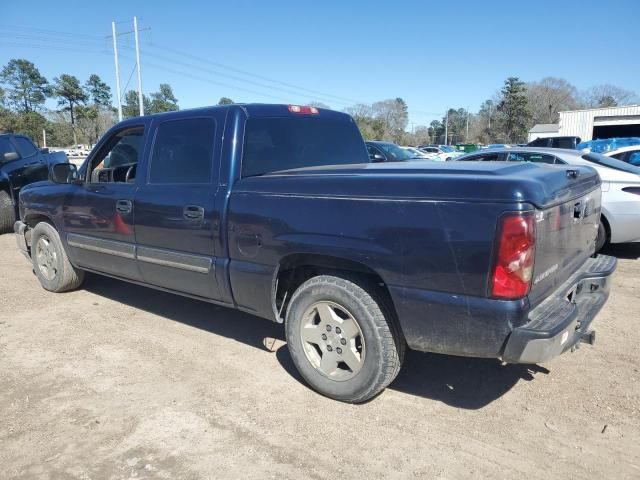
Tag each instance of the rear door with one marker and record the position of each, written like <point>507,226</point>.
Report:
<point>176,217</point>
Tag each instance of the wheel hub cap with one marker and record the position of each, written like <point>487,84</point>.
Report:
<point>332,340</point>
<point>46,258</point>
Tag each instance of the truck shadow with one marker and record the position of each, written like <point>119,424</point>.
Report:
<point>243,327</point>
<point>629,251</point>
<point>467,383</point>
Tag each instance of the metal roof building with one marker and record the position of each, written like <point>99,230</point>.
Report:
<point>605,122</point>
<point>544,130</point>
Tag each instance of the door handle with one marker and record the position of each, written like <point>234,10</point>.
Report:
<point>124,206</point>
<point>193,212</point>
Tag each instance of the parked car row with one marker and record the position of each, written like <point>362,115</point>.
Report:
<point>620,218</point>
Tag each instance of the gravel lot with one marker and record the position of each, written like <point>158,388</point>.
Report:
<point>119,381</point>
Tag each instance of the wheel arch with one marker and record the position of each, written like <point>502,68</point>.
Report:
<point>607,225</point>
<point>295,269</point>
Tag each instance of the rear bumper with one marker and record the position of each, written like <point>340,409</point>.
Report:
<point>22,230</point>
<point>560,321</point>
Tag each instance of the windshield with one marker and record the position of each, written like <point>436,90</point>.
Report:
<point>415,153</point>
<point>611,163</point>
<point>397,153</point>
<point>446,148</point>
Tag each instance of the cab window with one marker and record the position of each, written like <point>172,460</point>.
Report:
<point>117,160</point>
<point>25,147</point>
<point>183,152</point>
<point>6,147</point>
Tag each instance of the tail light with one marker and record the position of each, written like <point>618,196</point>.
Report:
<point>515,256</point>
<point>635,190</point>
<point>303,110</point>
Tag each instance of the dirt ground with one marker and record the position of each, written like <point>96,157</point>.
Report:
<point>118,381</point>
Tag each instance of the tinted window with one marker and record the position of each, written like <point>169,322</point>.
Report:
<point>565,143</point>
<point>611,163</point>
<point>6,146</point>
<point>183,151</point>
<point>273,144</point>
<point>489,157</point>
<point>539,142</point>
<point>25,147</point>
<point>118,158</point>
<point>530,157</point>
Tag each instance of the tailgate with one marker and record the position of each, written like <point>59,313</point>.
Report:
<point>565,238</point>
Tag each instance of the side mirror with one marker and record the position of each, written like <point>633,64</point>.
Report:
<point>63,173</point>
<point>10,157</point>
<point>44,150</point>
<point>376,157</point>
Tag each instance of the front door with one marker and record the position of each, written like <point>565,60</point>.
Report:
<point>98,216</point>
<point>176,216</point>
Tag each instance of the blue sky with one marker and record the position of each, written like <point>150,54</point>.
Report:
<point>435,55</point>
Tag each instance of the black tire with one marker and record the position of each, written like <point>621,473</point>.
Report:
<point>7,213</point>
<point>601,238</point>
<point>50,262</point>
<point>381,344</point>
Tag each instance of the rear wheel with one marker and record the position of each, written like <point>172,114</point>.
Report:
<point>50,261</point>
<point>601,238</point>
<point>7,212</point>
<point>341,338</point>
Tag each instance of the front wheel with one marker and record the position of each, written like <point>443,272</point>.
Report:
<point>341,338</point>
<point>50,261</point>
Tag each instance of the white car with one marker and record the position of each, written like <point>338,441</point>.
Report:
<point>620,185</point>
<point>443,152</point>
<point>418,154</point>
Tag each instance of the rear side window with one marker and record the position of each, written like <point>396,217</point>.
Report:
<point>25,147</point>
<point>487,157</point>
<point>183,151</point>
<point>274,144</point>
<point>530,157</point>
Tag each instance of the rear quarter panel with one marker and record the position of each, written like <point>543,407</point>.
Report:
<point>434,256</point>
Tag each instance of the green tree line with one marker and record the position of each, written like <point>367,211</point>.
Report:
<point>85,110</point>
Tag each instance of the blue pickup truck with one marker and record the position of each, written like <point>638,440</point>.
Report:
<point>276,210</point>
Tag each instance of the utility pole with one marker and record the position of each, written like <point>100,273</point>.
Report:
<point>140,97</point>
<point>466,138</point>
<point>446,128</point>
<point>115,55</point>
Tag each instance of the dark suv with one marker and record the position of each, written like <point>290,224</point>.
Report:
<point>556,142</point>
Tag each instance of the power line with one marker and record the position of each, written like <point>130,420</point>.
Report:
<point>93,43</point>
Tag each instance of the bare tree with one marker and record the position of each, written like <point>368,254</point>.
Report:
<point>548,97</point>
<point>608,96</point>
